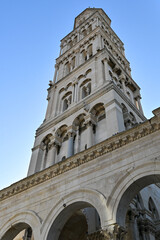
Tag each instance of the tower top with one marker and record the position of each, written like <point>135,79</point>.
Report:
<point>87,13</point>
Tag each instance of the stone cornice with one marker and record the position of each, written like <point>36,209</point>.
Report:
<point>107,146</point>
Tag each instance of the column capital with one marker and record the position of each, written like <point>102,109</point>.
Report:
<point>122,77</point>
<point>106,59</point>
<point>90,120</point>
<point>53,144</point>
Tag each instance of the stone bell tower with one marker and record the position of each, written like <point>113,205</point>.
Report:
<point>94,171</point>
<point>92,96</point>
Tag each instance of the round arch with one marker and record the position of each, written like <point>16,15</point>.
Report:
<point>70,203</point>
<point>19,222</point>
<point>128,186</point>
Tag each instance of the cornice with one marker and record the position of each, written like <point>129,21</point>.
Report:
<point>107,146</point>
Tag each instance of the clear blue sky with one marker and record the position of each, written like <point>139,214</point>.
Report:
<point>30,33</point>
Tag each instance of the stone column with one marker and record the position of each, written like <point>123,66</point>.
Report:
<point>77,143</point>
<point>55,74</point>
<point>50,98</point>
<point>89,134</point>
<point>70,144</point>
<point>139,104</point>
<point>106,70</point>
<point>51,154</point>
<point>90,121</point>
<point>77,60</point>
<point>122,78</point>
<point>131,229</point>
<point>43,158</point>
<point>76,92</point>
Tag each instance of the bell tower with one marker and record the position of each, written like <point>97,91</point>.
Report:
<point>92,96</point>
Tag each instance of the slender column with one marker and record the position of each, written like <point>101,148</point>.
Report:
<point>139,103</point>
<point>106,70</point>
<point>122,78</point>
<point>70,144</point>
<point>76,91</point>
<point>131,232</point>
<point>55,74</point>
<point>43,158</point>
<point>77,59</point>
<point>51,154</point>
<point>77,142</point>
<point>89,134</point>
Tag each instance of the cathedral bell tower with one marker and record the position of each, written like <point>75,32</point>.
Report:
<point>92,96</point>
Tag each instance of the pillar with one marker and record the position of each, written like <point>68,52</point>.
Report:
<point>122,78</point>
<point>55,74</point>
<point>76,92</point>
<point>89,133</point>
<point>114,119</point>
<point>139,104</point>
<point>106,70</point>
<point>51,154</point>
<point>131,225</point>
<point>70,144</point>
<point>50,99</point>
<point>43,158</point>
<point>77,60</point>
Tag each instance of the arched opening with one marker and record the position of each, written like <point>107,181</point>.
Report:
<point>138,212</point>
<point>75,222</point>
<point>66,101</point>
<point>80,140</point>
<point>98,112</point>
<point>90,51</point>
<point>83,56</point>
<point>67,68</point>
<point>43,154</point>
<point>128,117</point>
<point>85,88</point>
<point>19,231</point>
<point>61,137</point>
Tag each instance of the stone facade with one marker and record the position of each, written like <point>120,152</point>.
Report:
<point>95,155</point>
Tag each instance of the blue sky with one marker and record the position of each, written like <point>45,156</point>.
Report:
<point>30,33</point>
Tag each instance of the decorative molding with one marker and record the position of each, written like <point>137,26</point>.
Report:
<point>108,145</point>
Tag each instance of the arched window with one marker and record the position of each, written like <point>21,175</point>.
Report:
<point>62,137</point>
<point>67,68</point>
<point>89,50</point>
<point>85,88</point>
<point>65,104</point>
<point>84,92</point>
<point>84,32</point>
<point>73,61</point>
<point>66,101</point>
<point>98,112</point>
<point>83,56</point>
<point>80,139</point>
